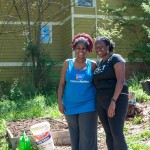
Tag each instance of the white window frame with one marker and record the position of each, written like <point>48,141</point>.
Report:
<point>49,33</point>
<point>76,2</point>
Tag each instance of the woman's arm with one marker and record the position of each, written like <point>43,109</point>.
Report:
<point>120,75</point>
<point>94,65</point>
<point>61,87</point>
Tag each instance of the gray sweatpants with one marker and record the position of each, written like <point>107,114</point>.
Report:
<point>83,131</point>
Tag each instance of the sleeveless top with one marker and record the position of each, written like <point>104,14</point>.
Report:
<point>79,92</point>
<point>105,77</point>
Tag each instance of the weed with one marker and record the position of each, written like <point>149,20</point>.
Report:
<point>137,120</point>
<point>136,142</point>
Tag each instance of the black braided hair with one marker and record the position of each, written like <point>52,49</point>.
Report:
<point>107,41</point>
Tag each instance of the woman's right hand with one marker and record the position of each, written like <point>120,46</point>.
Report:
<point>61,107</point>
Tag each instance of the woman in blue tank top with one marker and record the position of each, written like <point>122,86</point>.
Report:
<point>76,95</point>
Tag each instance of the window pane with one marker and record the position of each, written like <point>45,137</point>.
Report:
<point>87,3</point>
<point>45,34</point>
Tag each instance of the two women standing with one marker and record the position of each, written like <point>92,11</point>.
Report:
<point>76,94</point>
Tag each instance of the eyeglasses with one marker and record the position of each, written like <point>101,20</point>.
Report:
<point>97,48</point>
<point>81,49</point>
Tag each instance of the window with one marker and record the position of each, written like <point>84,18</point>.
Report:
<point>46,34</point>
<point>86,3</point>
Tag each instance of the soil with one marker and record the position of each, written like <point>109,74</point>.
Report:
<point>17,127</point>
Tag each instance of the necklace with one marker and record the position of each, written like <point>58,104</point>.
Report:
<point>106,58</point>
<point>80,65</point>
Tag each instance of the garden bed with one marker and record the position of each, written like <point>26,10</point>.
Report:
<point>59,130</point>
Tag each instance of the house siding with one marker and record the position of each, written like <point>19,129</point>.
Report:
<point>66,48</point>
<point>84,10</point>
<point>85,25</point>
<point>59,16</point>
<point>12,44</point>
<point>9,73</point>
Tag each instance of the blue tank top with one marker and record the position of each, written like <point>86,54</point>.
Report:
<point>79,92</point>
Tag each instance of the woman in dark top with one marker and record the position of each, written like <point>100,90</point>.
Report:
<point>111,93</point>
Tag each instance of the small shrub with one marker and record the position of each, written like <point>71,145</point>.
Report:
<point>3,142</point>
<point>140,95</point>
<point>134,85</point>
<point>52,99</point>
<point>137,120</point>
<point>136,142</point>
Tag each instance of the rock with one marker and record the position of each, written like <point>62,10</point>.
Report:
<point>146,86</point>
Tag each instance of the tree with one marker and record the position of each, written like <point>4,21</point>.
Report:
<point>146,8</point>
<point>115,24</point>
<point>33,12</point>
<point>109,27</point>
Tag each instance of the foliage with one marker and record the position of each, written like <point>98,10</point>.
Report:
<point>52,99</point>
<point>115,23</point>
<point>140,95</point>
<point>141,48</point>
<point>3,141</point>
<point>136,87</point>
<point>2,128</point>
<point>21,89</point>
<point>29,108</point>
<point>141,52</point>
<point>16,91</point>
<point>146,8</point>
<point>4,89</point>
<point>137,120</point>
<point>135,142</point>
<point>109,26</point>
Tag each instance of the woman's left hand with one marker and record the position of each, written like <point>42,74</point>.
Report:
<point>111,109</point>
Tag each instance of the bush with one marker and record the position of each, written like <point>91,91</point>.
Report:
<point>136,87</point>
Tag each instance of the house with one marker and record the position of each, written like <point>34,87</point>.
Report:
<point>61,20</point>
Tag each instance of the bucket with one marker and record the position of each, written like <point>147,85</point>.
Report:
<point>42,135</point>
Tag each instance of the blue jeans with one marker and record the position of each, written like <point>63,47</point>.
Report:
<point>113,126</point>
<point>83,131</point>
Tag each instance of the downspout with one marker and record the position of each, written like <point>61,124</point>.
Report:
<point>96,23</point>
<point>72,23</point>
<point>96,17</point>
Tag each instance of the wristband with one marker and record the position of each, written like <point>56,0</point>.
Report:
<point>113,100</point>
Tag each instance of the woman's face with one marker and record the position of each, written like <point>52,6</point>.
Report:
<point>81,49</point>
<point>101,49</point>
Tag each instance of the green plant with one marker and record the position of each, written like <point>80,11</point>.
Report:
<point>51,99</point>
<point>136,87</point>
<point>109,26</point>
<point>29,108</point>
<point>3,142</point>
<point>16,91</point>
<point>140,95</point>
<point>136,142</point>
<point>135,145</point>
<point>137,120</point>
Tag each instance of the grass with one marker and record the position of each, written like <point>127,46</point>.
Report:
<point>137,142</point>
<point>137,120</point>
<point>136,87</point>
<point>3,142</point>
<point>22,109</point>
